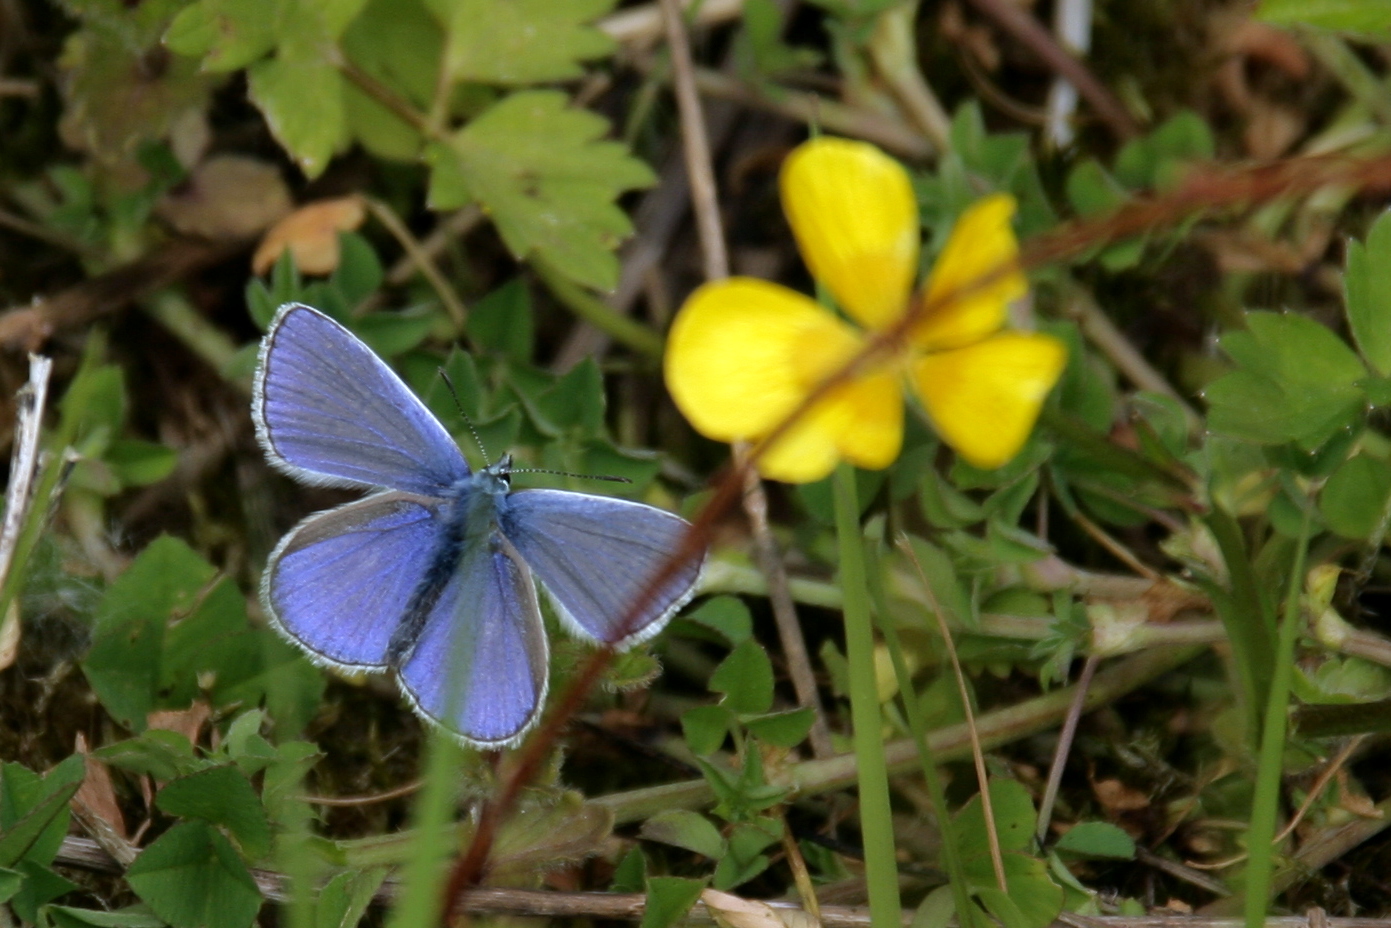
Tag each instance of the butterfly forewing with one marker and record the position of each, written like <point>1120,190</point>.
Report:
<point>329,411</point>
<point>340,582</point>
<point>595,557</point>
<point>479,665</point>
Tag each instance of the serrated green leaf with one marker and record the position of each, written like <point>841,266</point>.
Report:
<point>1097,839</point>
<point>282,88</point>
<point>686,829</point>
<point>746,679</point>
<point>161,754</point>
<point>192,878</point>
<point>1296,381</point>
<point>1367,292</point>
<point>221,796</point>
<point>226,34</point>
<point>517,42</point>
<point>546,178</point>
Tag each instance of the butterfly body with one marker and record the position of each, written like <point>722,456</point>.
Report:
<point>433,576</point>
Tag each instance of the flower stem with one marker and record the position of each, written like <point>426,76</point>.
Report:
<point>876,825</point>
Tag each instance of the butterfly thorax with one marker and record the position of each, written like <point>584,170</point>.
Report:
<point>468,515</point>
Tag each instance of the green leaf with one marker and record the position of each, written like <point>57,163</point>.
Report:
<point>345,898</point>
<point>1370,18</point>
<point>398,44</point>
<point>669,898</point>
<point>137,463</point>
<point>34,811</point>
<point>502,321</point>
<point>1367,292</point>
<point>281,86</point>
<point>124,662</point>
<point>359,272</point>
<point>728,616</point>
<point>543,173</point>
<point>1015,819</point>
<point>1355,498</point>
<point>683,828</point>
<point>221,796</point>
<point>746,679</point>
<point>1034,900</point>
<point>135,916</point>
<point>192,878</point>
<point>630,876</point>
<point>706,728</point>
<point>10,882</point>
<point>782,729</point>
<point>227,34</point>
<point>521,41</point>
<point>1097,839</point>
<point>1295,381</point>
<point>157,753</point>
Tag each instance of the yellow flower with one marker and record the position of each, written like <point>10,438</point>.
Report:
<point>744,353</point>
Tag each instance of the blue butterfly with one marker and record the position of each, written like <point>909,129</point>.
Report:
<point>430,577</point>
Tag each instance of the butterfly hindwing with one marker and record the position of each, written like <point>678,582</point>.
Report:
<point>595,555</point>
<point>340,582</point>
<point>329,411</point>
<point>479,664</point>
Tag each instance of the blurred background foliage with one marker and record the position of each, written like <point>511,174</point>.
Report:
<point>495,188</point>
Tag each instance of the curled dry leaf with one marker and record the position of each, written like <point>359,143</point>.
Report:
<point>311,234</point>
<point>227,197</point>
<point>95,806</point>
<point>187,722</point>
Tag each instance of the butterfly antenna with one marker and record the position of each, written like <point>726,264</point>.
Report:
<point>566,473</point>
<point>467,421</point>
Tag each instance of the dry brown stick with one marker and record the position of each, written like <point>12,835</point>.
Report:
<point>705,205</point>
<point>704,199</point>
<point>27,327</point>
<point>1020,24</point>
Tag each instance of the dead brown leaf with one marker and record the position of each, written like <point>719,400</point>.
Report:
<point>311,234</point>
<point>227,197</point>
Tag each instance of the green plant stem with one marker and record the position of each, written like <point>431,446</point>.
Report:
<point>598,313</point>
<point>207,341</point>
<point>1265,805</point>
<point>966,911</point>
<point>951,743</point>
<point>876,822</point>
<point>424,874</point>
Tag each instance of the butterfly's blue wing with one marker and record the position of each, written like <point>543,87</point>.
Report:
<point>594,556</point>
<point>328,411</point>
<point>340,582</point>
<point>479,665</point>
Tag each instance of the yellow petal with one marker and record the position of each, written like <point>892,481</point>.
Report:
<point>984,399</point>
<point>856,220</point>
<point>975,278</point>
<point>861,421</point>
<point>743,354</point>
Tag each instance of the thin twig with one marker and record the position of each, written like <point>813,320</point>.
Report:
<point>992,835</point>
<point>1064,748</point>
<point>412,247</point>
<point>704,198</point>
<point>705,205</point>
<point>1019,23</point>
